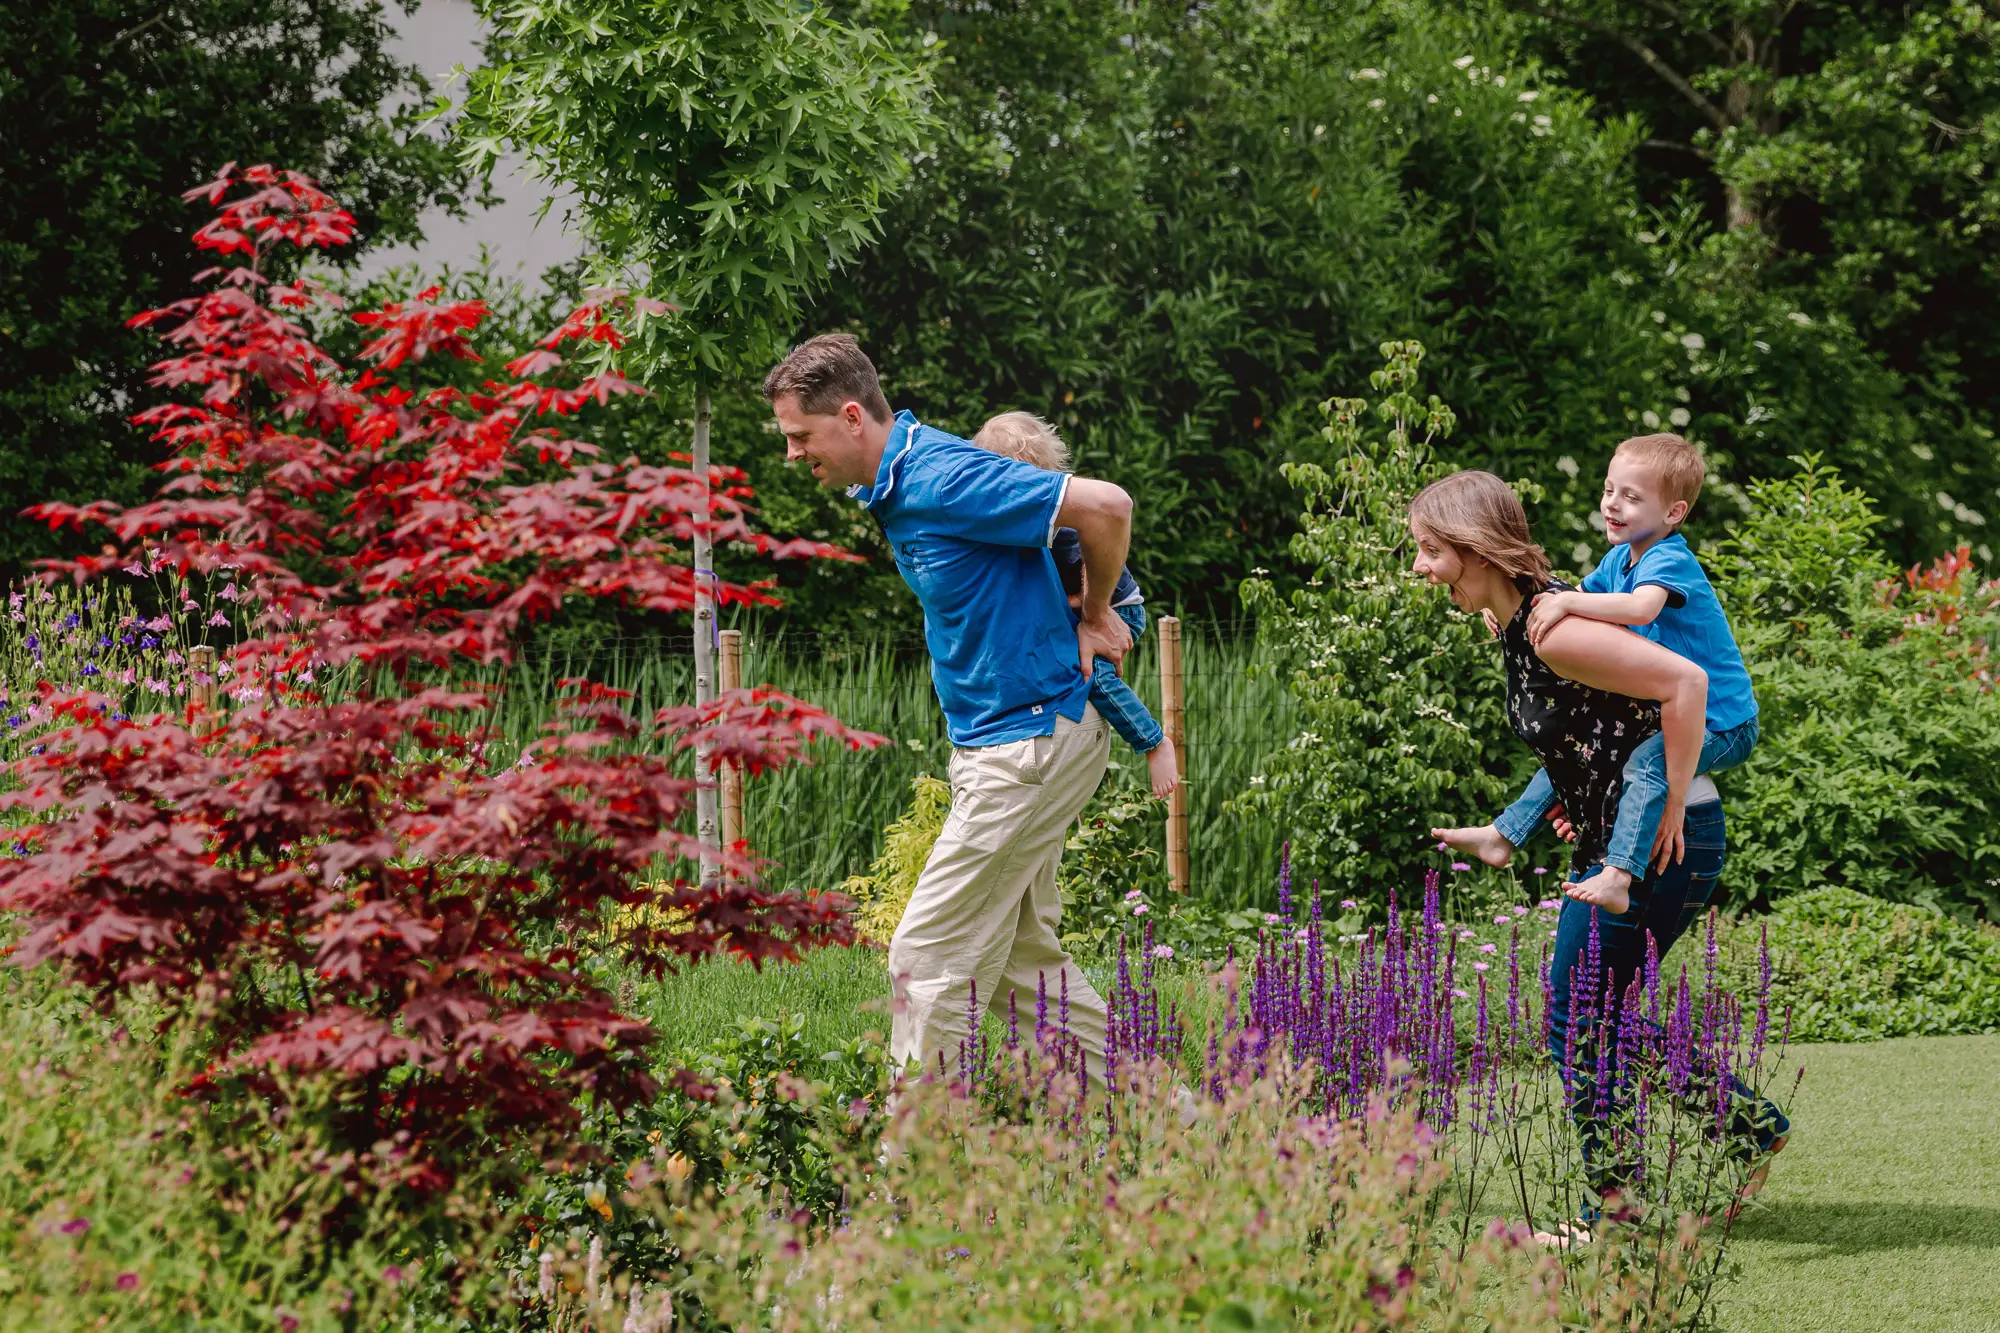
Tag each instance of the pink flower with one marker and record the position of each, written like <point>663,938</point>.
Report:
<point>1348,904</point>
<point>1163,951</point>
<point>392,1274</point>
<point>1271,918</point>
<point>1444,846</point>
<point>127,1282</point>
<point>228,593</point>
<point>136,570</point>
<point>1503,920</point>
<point>1549,905</point>
<point>218,619</point>
<point>1488,948</point>
<point>1138,909</point>
<point>128,675</point>
<point>1460,865</point>
<point>1541,870</point>
<point>1479,967</point>
<point>1461,995</point>
<point>76,1226</point>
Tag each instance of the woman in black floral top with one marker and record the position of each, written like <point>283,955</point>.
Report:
<point>1582,701</point>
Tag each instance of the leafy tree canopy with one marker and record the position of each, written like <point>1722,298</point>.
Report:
<point>109,109</point>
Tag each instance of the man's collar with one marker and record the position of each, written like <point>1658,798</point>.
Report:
<point>902,435</point>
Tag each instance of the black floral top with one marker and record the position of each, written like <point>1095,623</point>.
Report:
<point>1582,735</point>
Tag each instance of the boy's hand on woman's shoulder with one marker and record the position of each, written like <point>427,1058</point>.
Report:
<point>1544,614</point>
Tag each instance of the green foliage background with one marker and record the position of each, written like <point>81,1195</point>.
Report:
<point>109,109</point>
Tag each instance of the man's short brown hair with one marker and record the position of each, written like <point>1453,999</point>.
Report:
<point>1674,463</point>
<point>825,372</point>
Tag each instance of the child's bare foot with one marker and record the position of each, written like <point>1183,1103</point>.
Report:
<point>1610,888</point>
<point>1484,842</point>
<point>1163,769</point>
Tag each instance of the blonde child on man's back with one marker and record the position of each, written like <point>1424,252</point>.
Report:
<point>1032,440</point>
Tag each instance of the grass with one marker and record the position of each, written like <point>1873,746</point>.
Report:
<point>1884,1211</point>
<point>822,823</point>
<point>1882,1214</point>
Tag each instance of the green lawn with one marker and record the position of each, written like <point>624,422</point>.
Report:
<point>1884,1211</point>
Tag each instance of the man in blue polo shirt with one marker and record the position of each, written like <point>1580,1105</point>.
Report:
<point>971,531</point>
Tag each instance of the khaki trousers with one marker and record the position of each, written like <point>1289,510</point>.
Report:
<point>986,908</point>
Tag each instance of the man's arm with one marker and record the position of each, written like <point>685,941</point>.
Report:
<point>1101,513</point>
<point>1641,606</point>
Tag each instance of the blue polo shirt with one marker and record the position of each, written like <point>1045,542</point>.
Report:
<point>1691,623</point>
<point>971,533</point>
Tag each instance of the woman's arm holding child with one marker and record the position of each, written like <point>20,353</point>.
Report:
<point>1593,653</point>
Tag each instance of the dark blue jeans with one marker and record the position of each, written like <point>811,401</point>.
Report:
<point>1665,905</point>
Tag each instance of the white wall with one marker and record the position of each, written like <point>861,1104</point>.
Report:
<point>442,34</point>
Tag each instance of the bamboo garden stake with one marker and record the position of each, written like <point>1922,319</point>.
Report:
<point>1174,719</point>
<point>732,776</point>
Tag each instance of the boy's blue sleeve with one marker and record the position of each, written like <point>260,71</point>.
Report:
<point>993,499</point>
<point>1118,705</point>
<point>1605,577</point>
<point>1672,566</point>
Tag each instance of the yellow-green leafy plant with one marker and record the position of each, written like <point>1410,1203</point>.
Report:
<point>885,890</point>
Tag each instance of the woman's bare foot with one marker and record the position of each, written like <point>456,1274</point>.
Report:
<point>1484,842</point>
<point>1610,888</point>
<point>1162,768</point>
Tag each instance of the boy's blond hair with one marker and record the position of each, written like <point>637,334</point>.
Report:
<point>1025,436</point>
<point>1675,464</point>
<point>1476,513</point>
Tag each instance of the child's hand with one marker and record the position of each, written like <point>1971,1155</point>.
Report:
<point>1163,768</point>
<point>1544,614</point>
<point>1492,622</point>
<point>1104,636</point>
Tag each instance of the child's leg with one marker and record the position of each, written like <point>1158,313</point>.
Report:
<point>1645,796</point>
<point>1726,749</point>
<point>1119,706</point>
<point>1640,808</point>
<point>1518,822</point>
<point>1134,617</point>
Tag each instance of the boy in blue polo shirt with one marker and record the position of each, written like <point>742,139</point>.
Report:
<point>1651,582</point>
<point>1025,436</point>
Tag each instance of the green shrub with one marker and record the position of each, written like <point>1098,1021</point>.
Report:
<point>885,890</point>
<point>1854,968</point>
<point>1400,696</point>
<point>1879,767</point>
<point>127,1205</point>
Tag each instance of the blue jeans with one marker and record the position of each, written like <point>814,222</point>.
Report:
<point>1644,800</point>
<point>1674,900</point>
<point>1114,699</point>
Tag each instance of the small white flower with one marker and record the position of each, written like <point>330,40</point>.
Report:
<point>1680,416</point>
<point>1694,342</point>
<point>1463,61</point>
<point>1367,73</point>
<point>1374,104</point>
<point>1800,318</point>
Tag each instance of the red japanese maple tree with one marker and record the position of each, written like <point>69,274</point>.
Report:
<point>342,871</point>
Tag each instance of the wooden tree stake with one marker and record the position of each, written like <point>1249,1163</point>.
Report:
<point>1174,719</point>
<point>732,776</point>
<point>201,662</point>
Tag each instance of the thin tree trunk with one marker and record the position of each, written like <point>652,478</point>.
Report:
<point>706,821</point>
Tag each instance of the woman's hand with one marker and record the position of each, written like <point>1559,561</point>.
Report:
<point>1670,843</point>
